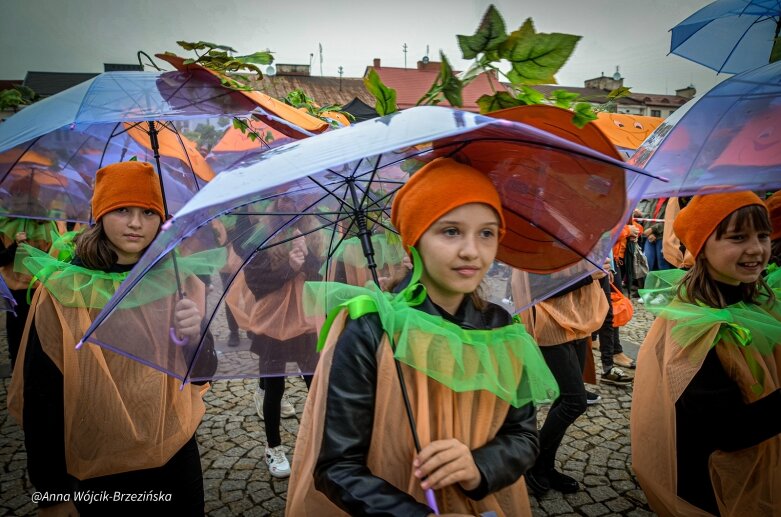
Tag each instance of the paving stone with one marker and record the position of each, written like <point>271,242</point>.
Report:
<point>596,451</point>
<point>555,506</point>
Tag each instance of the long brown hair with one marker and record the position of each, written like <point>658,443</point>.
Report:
<point>698,286</point>
<point>94,250</point>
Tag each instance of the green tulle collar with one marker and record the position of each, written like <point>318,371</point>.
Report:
<point>505,361</point>
<point>77,286</point>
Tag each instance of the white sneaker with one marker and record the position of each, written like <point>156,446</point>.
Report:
<point>286,408</point>
<point>278,466</point>
<point>258,397</point>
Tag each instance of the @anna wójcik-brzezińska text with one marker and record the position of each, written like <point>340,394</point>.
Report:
<point>103,496</point>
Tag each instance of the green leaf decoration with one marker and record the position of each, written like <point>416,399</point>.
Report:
<point>498,101</point>
<point>584,114</point>
<point>529,95</point>
<point>490,34</point>
<point>451,85</point>
<point>386,97</point>
<point>133,159</point>
<point>446,85</point>
<point>622,91</point>
<point>563,98</point>
<point>536,57</point>
<point>258,58</point>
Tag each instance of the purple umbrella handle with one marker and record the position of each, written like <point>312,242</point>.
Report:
<point>432,501</point>
<point>175,339</point>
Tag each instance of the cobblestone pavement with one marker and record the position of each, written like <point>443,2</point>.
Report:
<point>596,451</point>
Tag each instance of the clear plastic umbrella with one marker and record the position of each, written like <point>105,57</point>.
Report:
<point>326,201</point>
<point>725,140</point>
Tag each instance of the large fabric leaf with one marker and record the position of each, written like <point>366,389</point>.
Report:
<point>535,57</point>
<point>490,34</point>
<point>386,97</point>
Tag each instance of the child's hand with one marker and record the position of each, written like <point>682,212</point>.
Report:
<point>187,318</point>
<point>296,259</point>
<point>20,237</point>
<point>446,462</point>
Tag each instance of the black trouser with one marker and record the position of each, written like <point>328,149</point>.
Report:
<point>609,342</point>
<point>272,406</point>
<point>233,327</point>
<point>181,477</point>
<point>14,325</point>
<point>566,362</point>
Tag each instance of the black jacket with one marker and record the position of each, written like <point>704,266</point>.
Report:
<point>341,472</point>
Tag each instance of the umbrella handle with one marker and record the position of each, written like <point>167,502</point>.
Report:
<point>175,339</point>
<point>431,500</point>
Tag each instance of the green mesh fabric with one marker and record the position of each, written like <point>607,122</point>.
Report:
<point>10,226</point>
<point>388,251</point>
<point>773,278</point>
<point>76,286</point>
<point>64,245</point>
<point>505,361</point>
<point>745,325</point>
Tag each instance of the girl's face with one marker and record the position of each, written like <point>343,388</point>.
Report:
<point>457,251</point>
<point>130,230</point>
<point>739,256</point>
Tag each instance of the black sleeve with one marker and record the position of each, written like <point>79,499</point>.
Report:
<point>7,254</point>
<point>583,282</point>
<point>261,278</point>
<point>341,472</point>
<point>510,454</point>
<point>713,403</point>
<point>43,420</point>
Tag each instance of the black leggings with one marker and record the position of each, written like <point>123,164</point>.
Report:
<point>272,406</point>
<point>566,362</point>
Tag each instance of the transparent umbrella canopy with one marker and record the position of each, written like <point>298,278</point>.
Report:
<point>725,140</point>
<point>327,199</point>
<point>114,117</point>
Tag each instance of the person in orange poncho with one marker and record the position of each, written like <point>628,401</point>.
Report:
<point>355,453</point>
<point>706,408</point>
<point>95,420</point>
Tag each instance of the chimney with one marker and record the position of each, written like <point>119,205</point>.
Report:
<point>376,62</point>
<point>687,93</point>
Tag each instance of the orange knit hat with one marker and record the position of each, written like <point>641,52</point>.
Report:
<point>695,223</point>
<point>437,188</point>
<point>773,204</point>
<point>127,184</point>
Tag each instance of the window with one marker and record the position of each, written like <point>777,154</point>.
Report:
<point>656,113</point>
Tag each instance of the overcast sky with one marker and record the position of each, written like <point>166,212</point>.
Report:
<point>81,35</point>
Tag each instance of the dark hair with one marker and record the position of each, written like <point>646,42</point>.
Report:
<point>775,252</point>
<point>698,286</point>
<point>94,250</point>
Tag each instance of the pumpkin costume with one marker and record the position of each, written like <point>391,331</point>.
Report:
<point>472,376</point>
<point>706,407</point>
<point>114,416</point>
<point>740,458</point>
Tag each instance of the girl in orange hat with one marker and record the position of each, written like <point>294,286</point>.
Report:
<point>471,374</point>
<point>97,422</point>
<point>706,409</point>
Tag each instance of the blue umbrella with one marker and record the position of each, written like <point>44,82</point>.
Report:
<point>725,140</point>
<point>729,36</point>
